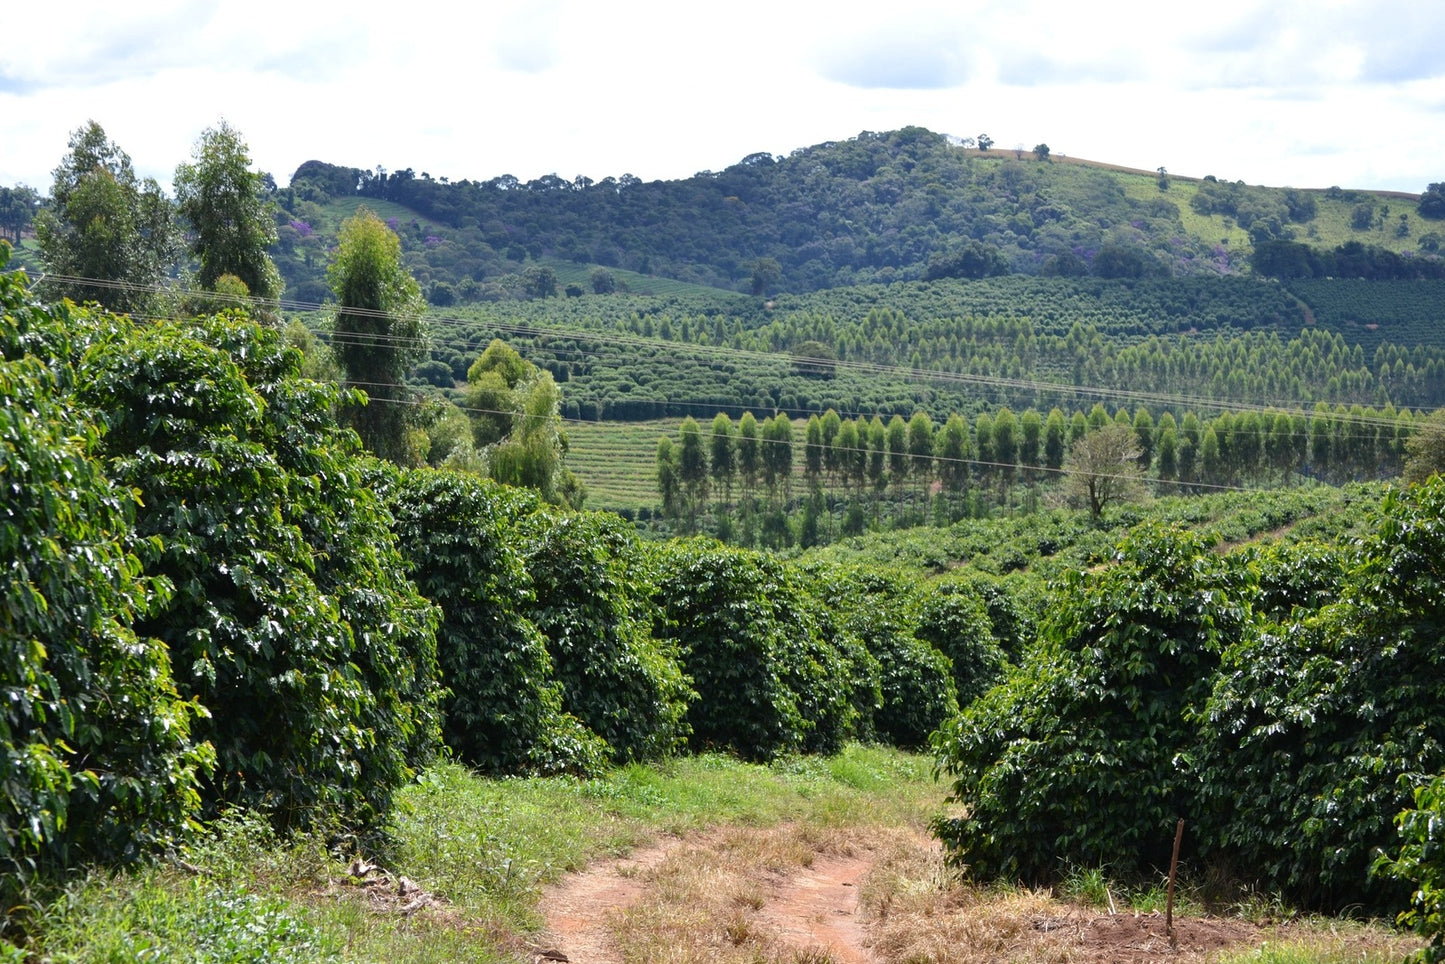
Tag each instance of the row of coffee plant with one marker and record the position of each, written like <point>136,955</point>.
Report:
<point>212,598</point>
<point>1283,701</point>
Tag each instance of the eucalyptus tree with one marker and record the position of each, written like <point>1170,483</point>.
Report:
<point>749,453</point>
<point>667,481</point>
<point>692,469</point>
<point>778,454</point>
<point>1425,450</point>
<point>1031,440</point>
<point>852,456</point>
<point>832,455</point>
<point>1006,448</point>
<point>108,236</point>
<point>1056,436</point>
<point>722,457</point>
<point>920,449</point>
<point>897,454</point>
<point>18,206</point>
<point>378,333</point>
<point>983,448</point>
<point>232,222</point>
<point>813,451</point>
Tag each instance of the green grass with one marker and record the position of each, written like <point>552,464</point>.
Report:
<point>483,847</point>
<point>617,461</point>
<point>1330,228</point>
<point>339,209</point>
<point>1312,952</point>
<point>630,282</point>
<point>27,256</point>
<point>1212,228</point>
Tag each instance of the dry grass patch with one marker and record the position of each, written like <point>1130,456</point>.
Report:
<point>732,899</point>
<point>917,912</point>
<point>799,893</point>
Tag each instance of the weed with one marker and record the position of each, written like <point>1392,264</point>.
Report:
<point>1089,885</point>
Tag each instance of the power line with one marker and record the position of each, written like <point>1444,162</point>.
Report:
<point>690,352</point>
<point>622,342</point>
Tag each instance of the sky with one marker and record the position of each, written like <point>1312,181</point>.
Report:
<point>1307,94</point>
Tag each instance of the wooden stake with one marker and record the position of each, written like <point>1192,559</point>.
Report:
<point>1169,902</point>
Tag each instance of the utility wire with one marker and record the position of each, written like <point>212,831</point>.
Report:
<point>627,345</point>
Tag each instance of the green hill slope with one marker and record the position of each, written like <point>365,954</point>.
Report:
<point>878,207</point>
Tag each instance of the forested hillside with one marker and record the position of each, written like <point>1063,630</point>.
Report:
<point>879,207</point>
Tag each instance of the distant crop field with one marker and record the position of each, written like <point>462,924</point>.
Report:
<point>617,461</point>
<point>630,282</point>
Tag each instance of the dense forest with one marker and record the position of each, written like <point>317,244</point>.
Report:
<point>261,557</point>
<point>876,208</point>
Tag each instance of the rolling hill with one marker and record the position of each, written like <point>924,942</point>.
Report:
<point>876,208</point>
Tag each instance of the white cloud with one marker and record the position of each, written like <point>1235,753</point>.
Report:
<point>900,54</point>
<point>1256,90</point>
<point>527,38</point>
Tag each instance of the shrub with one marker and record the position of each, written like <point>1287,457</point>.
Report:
<point>95,744</point>
<point>1081,756</point>
<point>914,680</point>
<point>592,604</point>
<point>768,683</point>
<point>1421,864</point>
<point>503,711</point>
<point>953,620</point>
<point>291,619</point>
<point>1319,727</point>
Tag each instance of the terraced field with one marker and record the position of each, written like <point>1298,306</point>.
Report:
<point>617,461</point>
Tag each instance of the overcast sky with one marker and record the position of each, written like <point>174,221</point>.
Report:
<point>1310,93</point>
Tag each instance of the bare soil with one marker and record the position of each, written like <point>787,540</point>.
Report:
<point>580,908</point>
<point>735,894</point>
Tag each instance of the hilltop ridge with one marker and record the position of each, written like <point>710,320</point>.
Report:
<point>878,207</point>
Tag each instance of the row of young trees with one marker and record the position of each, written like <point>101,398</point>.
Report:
<point>981,463</point>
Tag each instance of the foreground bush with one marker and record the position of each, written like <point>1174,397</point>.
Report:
<point>1080,757</point>
<point>768,682</point>
<point>1421,865</point>
<point>291,620</point>
<point>953,618</point>
<point>592,603</point>
<point>880,611</point>
<point>97,762</point>
<point>1319,727</point>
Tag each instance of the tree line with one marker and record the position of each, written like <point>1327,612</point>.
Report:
<point>751,478</point>
<point>876,208</point>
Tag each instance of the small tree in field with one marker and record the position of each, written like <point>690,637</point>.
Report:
<point>1425,450</point>
<point>1102,468</point>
